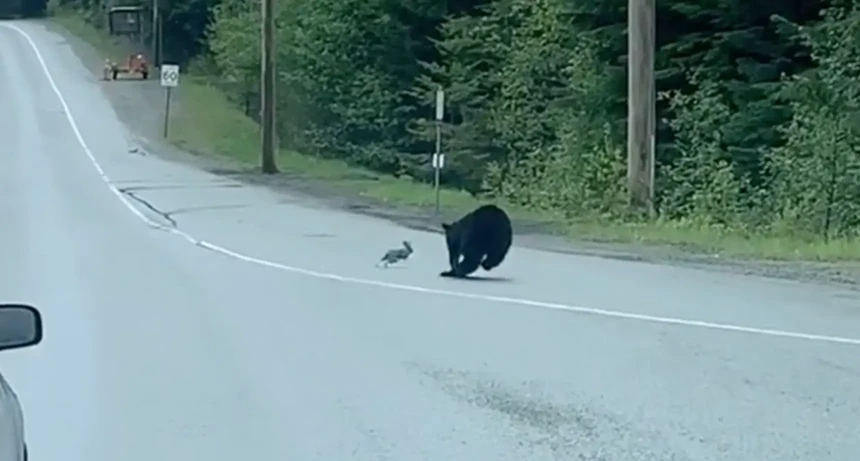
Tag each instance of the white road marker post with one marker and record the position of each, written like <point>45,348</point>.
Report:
<point>438,157</point>
<point>169,81</point>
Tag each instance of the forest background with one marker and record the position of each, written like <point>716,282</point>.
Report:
<point>758,137</point>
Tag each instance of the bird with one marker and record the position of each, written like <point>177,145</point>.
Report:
<point>397,255</point>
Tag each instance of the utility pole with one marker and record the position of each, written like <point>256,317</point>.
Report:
<point>641,104</point>
<point>154,31</point>
<point>267,91</point>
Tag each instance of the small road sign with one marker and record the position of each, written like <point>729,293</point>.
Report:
<point>438,161</point>
<point>169,75</point>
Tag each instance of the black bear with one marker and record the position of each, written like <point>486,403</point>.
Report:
<point>480,238</point>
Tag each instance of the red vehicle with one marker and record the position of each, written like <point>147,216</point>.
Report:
<point>135,64</point>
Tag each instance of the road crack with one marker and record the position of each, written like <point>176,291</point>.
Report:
<point>151,207</point>
<point>205,208</point>
<point>184,186</point>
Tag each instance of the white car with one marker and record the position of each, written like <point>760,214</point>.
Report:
<point>20,326</point>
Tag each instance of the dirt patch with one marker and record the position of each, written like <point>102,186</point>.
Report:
<point>140,106</point>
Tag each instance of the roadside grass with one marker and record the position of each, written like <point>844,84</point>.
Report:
<point>209,124</point>
<point>227,132</point>
<point>100,40</point>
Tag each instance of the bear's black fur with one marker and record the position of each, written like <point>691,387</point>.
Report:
<point>481,238</point>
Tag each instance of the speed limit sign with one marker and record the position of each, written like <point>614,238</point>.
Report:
<point>169,80</point>
<point>169,75</point>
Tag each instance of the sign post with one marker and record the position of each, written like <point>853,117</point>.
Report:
<point>169,81</point>
<point>438,157</point>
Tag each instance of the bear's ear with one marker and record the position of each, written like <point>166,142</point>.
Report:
<point>446,226</point>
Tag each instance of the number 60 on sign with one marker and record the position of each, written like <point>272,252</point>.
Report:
<point>170,75</point>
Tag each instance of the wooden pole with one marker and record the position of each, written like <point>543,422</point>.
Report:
<point>641,111</point>
<point>267,90</point>
<point>153,28</point>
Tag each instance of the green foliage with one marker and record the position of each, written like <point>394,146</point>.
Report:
<point>234,55</point>
<point>702,184</point>
<point>758,115</point>
<point>816,175</point>
<point>352,67</point>
<point>550,117</point>
<point>469,56</point>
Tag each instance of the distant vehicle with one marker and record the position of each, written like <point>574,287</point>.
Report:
<point>20,326</point>
<point>135,64</point>
<point>18,9</point>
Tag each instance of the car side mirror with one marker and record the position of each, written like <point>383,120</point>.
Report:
<point>20,326</point>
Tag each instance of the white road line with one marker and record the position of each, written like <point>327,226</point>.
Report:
<point>330,276</point>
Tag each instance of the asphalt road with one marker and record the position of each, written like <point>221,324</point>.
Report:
<point>160,347</point>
